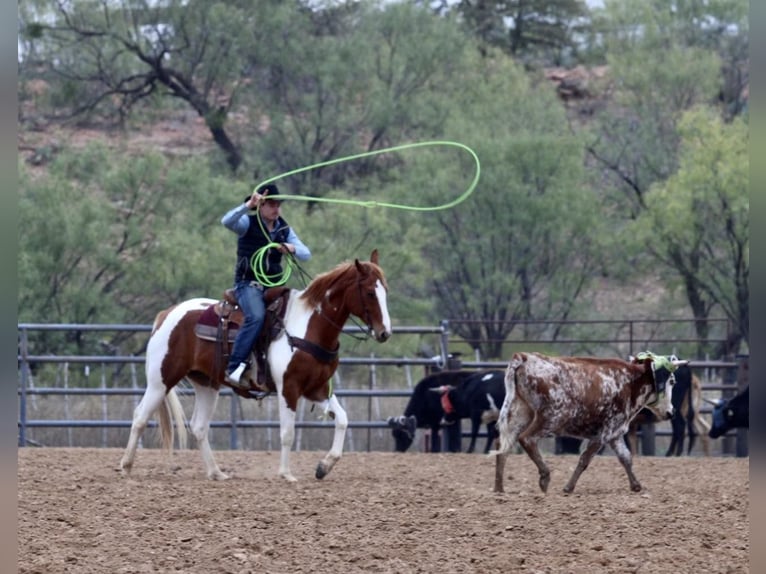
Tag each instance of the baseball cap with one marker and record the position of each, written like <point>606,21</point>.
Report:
<point>270,191</point>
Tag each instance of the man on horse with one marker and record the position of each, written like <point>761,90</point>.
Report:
<point>256,231</point>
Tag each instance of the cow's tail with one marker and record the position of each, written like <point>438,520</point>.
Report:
<point>504,420</point>
<point>172,416</point>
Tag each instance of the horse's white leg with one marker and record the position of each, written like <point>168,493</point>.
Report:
<point>205,399</point>
<point>152,399</point>
<point>287,438</point>
<point>341,424</point>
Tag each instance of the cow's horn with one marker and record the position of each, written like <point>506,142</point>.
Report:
<point>710,401</point>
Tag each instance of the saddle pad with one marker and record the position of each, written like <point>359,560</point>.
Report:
<point>207,326</point>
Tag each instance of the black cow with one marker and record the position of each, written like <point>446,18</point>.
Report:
<point>687,395</point>
<point>731,414</point>
<point>479,398</point>
<point>424,410</point>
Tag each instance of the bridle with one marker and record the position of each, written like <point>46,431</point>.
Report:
<point>365,313</point>
<point>365,308</point>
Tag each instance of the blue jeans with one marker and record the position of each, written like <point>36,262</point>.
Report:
<point>250,298</point>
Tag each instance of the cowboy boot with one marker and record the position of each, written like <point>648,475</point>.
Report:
<point>234,378</point>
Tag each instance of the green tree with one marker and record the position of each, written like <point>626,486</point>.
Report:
<point>697,221</point>
<point>109,239</point>
<point>659,69</point>
<point>525,244</point>
<point>110,58</point>
<point>534,31</point>
<point>369,84</point>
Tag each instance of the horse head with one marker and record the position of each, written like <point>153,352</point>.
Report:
<point>369,301</point>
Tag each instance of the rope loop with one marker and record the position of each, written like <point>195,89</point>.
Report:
<point>257,261</point>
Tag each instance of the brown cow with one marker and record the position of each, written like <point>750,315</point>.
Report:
<point>583,397</point>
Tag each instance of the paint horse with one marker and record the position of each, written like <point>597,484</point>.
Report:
<point>313,319</point>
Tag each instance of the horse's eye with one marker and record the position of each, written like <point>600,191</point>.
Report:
<point>371,295</point>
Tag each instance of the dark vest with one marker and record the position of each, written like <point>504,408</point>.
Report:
<point>253,240</point>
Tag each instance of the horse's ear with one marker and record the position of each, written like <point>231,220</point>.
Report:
<point>374,256</point>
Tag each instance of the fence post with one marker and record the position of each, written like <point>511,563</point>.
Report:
<point>444,342</point>
<point>648,438</point>
<point>729,378</point>
<point>24,382</point>
<point>743,379</point>
<point>372,385</point>
<point>233,417</point>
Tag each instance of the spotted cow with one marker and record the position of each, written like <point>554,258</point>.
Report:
<point>583,397</point>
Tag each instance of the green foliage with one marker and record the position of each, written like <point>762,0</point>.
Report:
<point>536,32</point>
<point>369,85</point>
<point>665,58</point>
<point>105,238</point>
<point>108,236</point>
<point>507,254</point>
<point>697,222</point>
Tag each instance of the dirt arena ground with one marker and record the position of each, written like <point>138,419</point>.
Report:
<point>378,512</point>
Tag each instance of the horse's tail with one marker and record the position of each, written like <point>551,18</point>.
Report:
<point>172,414</point>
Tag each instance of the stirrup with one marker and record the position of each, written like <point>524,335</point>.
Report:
<point>235,378</point>
<point>257,394</point>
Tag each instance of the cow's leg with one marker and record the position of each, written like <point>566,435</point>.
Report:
<point>475,428</point>
<point>341,424</point>
<point>152,399</point>
<point>623,454</point>
<point>500,458</point>
<point>491,435</point>
<point>528,441</point>
<point>591,449</point>
<point>702,427</point>
<point>509,427</point>
<point>205,399</point>
<point>454,436</point>
<point>676,447</point>
<point>691,431</point>
<point>436,442</point>
<point>631,440</point>
<point>287,437</point>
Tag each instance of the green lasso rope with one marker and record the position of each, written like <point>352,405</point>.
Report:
<point>259,268</point>
<point>257,261</point>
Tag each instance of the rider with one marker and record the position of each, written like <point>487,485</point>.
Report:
<point>250,228</point>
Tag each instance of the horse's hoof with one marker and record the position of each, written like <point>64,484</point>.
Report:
<point>219,476</point>
<point>321,471</point>
<point>288,477</point>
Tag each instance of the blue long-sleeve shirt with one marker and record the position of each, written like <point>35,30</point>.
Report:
<point>235,221</point>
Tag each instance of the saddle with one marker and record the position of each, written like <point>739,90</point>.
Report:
<point>220,324</point>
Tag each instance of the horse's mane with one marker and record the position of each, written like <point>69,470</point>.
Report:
<point>341,277</point>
